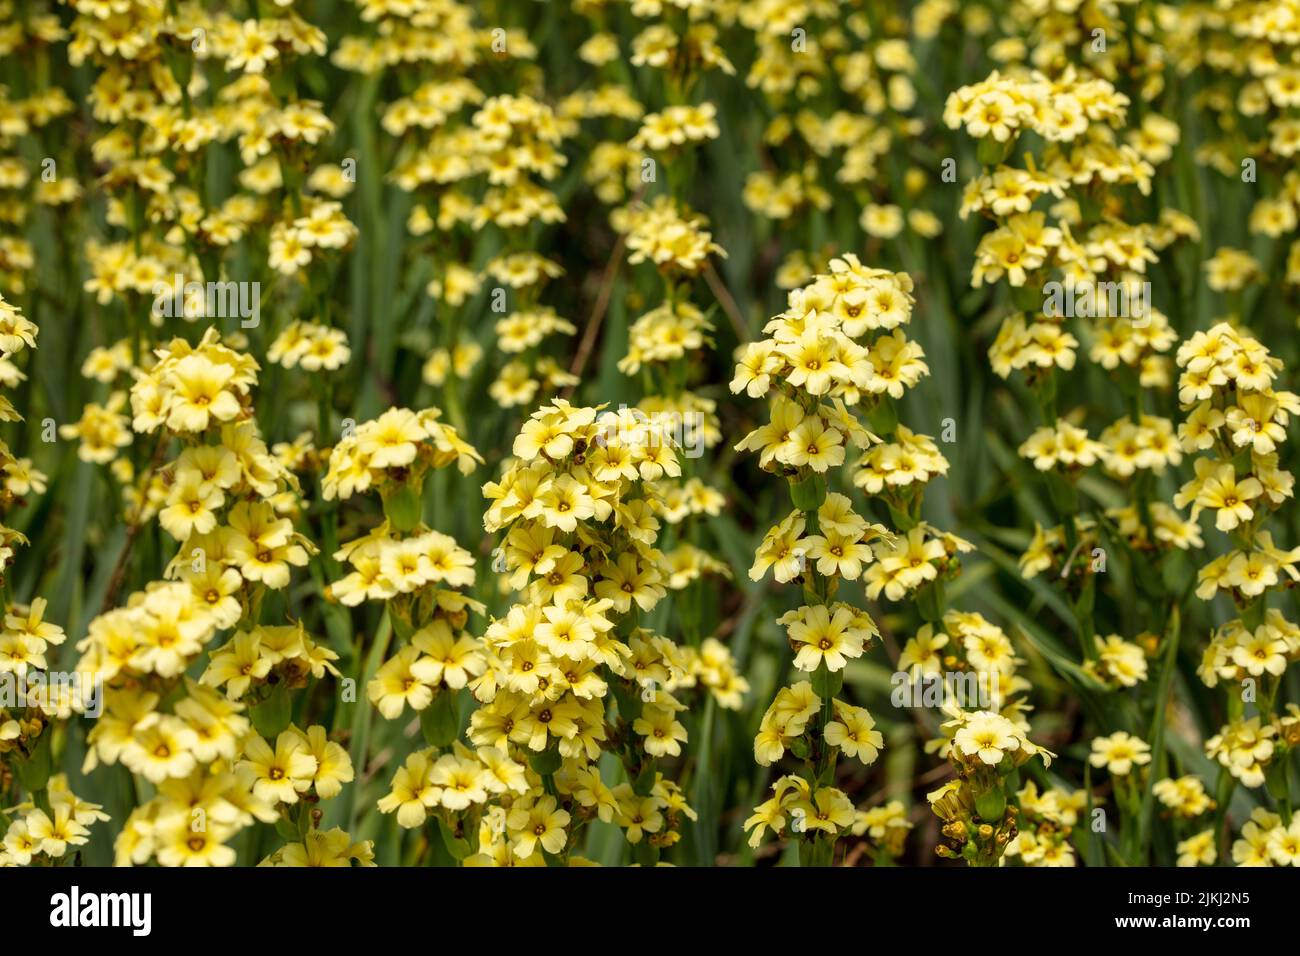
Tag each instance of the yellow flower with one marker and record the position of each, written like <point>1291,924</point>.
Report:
<point>815,446</point>
<point>780,551</point>
<point>237,664</point>
<point>396,684</point>
<point>333,765</point>
<point>283,774</point>
<point>987,737</point>
<point>829,811</point>
<point>192,508</point>
<point>447,659</point>
<point>823,637</point>
<point>201,394</point>
<point>1198,850</point>
<point>1229,497</point>
<point>538,823</point>
<point>179,843</point>
<point>412,793</point>
<point>837,553</point>
<point>852,731</point>
<point>662,732</point>
<point>1120,753</point>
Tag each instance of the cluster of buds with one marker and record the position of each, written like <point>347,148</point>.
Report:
<point>977,807</point>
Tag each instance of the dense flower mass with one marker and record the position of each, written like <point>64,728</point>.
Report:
<point>649,432</point>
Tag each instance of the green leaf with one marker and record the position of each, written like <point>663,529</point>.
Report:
<point>546,762</point>
<point>34,772</point>
<point>991,804</point>
<point>286,830</point>
<point>808,493</point>
<point>883,419</point>
<point>271,717</point>
<point>826,683</point>
<point>458,847</point>
<point>404,508</point>
<point>990,152</point>
<point>930,601</point>
<point>440,721</point>
<point>1156,735</point>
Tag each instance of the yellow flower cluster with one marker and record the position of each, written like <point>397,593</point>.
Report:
<point>567,674</point>
<point>818,369</point>
<point>670,237</point>
<point>49,833</point>
<point>979,822</point>
<point>47,826</point>
<point>1238,420</point>
<point>222,499</point>
<point>1248,51</point>
<point>1045,825</point>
